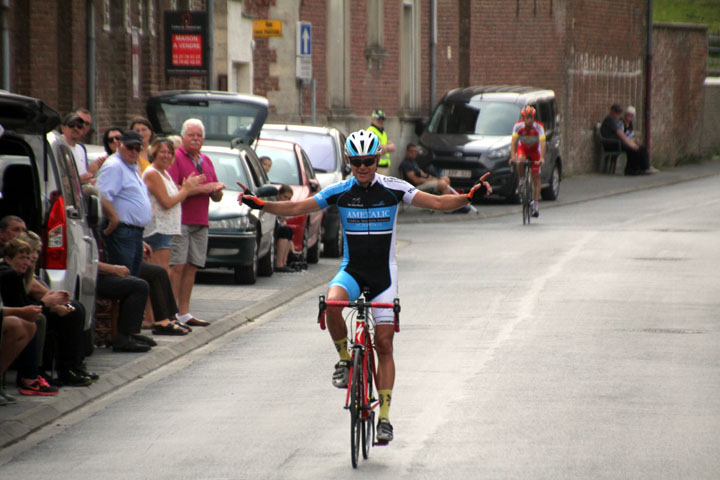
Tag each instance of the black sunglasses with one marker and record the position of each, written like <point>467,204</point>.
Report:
<point>115,139</point>
<point>134,146</point>
<point>76,124</point>
<point>367,161</point>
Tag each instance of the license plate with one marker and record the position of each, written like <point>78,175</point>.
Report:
<point>457,173</point>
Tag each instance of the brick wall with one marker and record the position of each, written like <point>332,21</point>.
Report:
<point>677,94</point>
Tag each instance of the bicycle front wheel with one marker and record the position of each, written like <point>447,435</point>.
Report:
<point>527,200</point>
<point>368,414</point>
<point>356,421</point>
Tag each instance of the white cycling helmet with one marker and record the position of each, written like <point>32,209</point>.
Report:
<point>362,144</point>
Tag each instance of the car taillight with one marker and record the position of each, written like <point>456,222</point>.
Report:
<point>56,242</point>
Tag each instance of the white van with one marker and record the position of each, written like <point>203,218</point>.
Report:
<point>40,184</point>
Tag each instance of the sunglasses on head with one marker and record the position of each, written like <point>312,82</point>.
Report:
<point>76,124</point>
<point>358,161</point>
<point>134,146</point>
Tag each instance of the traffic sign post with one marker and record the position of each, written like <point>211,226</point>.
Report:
<point>303,52</point>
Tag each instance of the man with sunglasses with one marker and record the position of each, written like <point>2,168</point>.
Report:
<point>368,203</point>
<point>126,204</point>
<point>73,128</point>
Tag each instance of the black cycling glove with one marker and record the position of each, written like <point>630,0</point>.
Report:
<point>477,192</point>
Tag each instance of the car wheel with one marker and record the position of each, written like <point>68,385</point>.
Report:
<point>333,247</point>
<point>266,265</point>
<point>306,233</point>
<point>313,253</point>
<point>552,191</point>
<point>247,274</point>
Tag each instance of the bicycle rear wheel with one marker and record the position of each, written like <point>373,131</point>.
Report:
<point>527,199</point>
<point>356,422</point>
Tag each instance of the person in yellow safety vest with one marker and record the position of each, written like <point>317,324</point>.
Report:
<point>376,127</point>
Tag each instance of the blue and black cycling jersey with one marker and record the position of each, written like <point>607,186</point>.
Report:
<point>368,217</point>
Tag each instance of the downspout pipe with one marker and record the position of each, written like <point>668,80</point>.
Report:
<point>648,75</point>
<point>4,17</point>
<point>211,43</point>
<point>91,65</point>
<point>433,48</point>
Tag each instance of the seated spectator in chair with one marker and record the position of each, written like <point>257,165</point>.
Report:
<point>69,325</point>
<point>12,291</point>
<point>67,319</point>
<point>17,328</point>
<point>411,171</point>
<point>613,127</point>
<point>283,234</point>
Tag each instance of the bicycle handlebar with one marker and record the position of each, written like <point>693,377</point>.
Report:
<point>323,304</point>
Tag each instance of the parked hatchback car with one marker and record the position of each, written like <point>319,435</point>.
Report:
<point>40,184</point>
<point>237,238</point>
<point>470,131</point>
<point>325,147</point>
<point>240,238</point>
<point>291,166</point>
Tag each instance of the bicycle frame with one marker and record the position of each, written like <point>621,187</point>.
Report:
<point>361,406</point>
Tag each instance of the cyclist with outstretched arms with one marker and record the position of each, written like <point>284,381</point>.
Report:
<point>528,143</point>
<point>368,206</point>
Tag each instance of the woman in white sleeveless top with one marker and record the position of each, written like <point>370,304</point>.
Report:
<point>165,199</point>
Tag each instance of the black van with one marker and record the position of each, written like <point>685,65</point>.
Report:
<point>470,131</point>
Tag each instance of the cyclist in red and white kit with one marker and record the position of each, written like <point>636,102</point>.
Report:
<point>528,142</point>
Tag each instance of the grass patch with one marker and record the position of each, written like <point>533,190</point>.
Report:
<point>706,12</point>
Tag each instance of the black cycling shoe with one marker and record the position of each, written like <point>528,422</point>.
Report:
<point>384,431</point>
<point>341,374</point>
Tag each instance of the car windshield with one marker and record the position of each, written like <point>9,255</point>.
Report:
<point>475,118</point>
<point>229,169</point>
<point>284,165</point>
<point>319,148</point>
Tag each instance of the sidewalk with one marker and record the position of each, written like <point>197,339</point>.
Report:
<point>228,306</point>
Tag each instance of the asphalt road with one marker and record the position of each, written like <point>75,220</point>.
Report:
<point>582,346</point>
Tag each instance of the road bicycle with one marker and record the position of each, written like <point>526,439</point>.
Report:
<point>360,398</point>
<point>526,190</point>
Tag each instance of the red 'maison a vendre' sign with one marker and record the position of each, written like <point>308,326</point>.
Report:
<point>186,43</point>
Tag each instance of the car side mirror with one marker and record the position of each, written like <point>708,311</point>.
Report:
<point>314,186</point>
<point>266,191</point>
<point>94,211</point>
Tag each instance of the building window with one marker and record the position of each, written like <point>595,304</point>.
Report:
<point>375,51</point>
<point>127,19</point>
<point>410,58</point>
<point>106,15</point>
<point>338,62</point>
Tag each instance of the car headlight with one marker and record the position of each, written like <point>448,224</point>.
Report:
<point>233,223</point>
<point>499,153</point>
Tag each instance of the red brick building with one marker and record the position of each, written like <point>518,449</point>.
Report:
<point>366,54</point>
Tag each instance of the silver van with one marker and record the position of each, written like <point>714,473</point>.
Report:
<point>40,184</point>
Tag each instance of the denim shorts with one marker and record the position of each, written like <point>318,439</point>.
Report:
<point>159,241</point>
